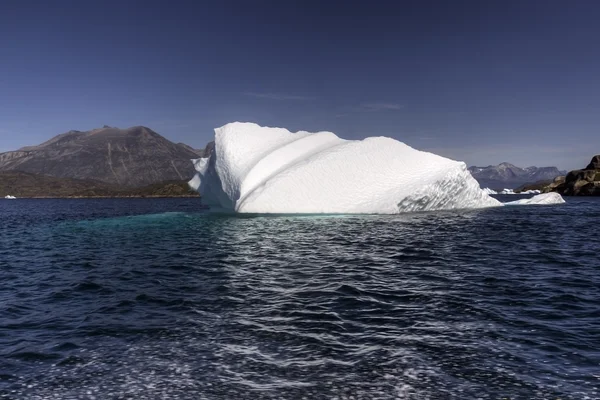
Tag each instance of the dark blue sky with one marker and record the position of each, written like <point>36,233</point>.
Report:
<point>480,81</point>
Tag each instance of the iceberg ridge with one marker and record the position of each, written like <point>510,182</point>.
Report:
<point>255,169</point>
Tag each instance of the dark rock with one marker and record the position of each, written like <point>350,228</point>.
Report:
<point>590,189</point>
<point>595,163</point>
<point>540,185</point>
<point>580,182</point>
<point>580,175</point>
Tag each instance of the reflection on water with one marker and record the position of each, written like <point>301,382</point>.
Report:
<point>101,302</point>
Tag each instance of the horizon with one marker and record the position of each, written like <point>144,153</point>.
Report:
<point>475,82</point>
<point>107,126</point>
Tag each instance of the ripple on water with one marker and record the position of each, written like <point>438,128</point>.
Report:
<point>99,301</point>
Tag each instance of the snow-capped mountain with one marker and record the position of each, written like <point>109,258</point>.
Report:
<point>506,175</point>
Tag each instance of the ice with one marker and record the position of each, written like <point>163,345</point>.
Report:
<point>9,197</point>
<point>531,192</point>
<point>254,169</point>
<point>271,170</point>
<point>511,191</point>
<point>489,191</point>
<point>540,199</point>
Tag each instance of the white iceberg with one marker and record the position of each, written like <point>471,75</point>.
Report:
<point>9,197</point>
<point>531,192</point>
<point>511,191</point>
<point>489,191</point>
<point>540,199</point>
<point>253,169</point>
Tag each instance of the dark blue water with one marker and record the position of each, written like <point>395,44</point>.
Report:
<point>151,299</point>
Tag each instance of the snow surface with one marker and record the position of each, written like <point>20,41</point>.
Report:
<point>254,169</point>
<point>531,192</point>
<point>511,191</point>
<point>540,199</point>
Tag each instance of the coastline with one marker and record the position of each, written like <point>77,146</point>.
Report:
<point>107,197</point>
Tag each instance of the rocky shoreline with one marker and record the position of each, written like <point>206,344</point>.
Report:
<point>579,182</point>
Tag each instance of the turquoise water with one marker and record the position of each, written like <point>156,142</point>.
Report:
<point>154,299</point>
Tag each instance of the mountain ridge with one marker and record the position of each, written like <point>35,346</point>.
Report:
<point>131,157</point>
<point>507,175</point>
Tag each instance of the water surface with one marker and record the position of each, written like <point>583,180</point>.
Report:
<point>154,299</point>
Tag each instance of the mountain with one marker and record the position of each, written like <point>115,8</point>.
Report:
<point>131,157</point>
<point>198,152</point>
<point>509,176</point>
<point>24,185</point>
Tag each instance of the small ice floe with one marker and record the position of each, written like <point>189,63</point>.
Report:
<point>531,192</point>
<point>540,199</point>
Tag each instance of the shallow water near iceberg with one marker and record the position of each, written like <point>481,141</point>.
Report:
<point>128,299</point>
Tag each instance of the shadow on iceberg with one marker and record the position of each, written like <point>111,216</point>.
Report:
<point>260,170</point>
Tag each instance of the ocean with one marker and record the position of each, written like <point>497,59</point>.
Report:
<point>157,299</point>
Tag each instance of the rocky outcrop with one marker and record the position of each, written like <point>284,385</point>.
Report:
<point>132,157</point>
<point>594,164</point>
<point>580,182</point>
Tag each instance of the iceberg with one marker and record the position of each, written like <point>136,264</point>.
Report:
<point>254,169</point>
<point>532,191</point>
<point>540,199</point>
<point>511,191</point>
<point>489,191</point>
<point>9,197</point>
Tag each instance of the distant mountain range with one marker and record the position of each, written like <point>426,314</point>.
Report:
<point>132,157</point>
<point>509,176</point>
<point>138,157</point>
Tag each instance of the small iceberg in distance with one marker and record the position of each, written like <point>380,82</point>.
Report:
<point>540,199</point>
<point>531,192</point>
<point>511,191</point>
<point>9,197</point>
<point>489,191</point>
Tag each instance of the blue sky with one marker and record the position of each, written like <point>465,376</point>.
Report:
<point>479,81</point>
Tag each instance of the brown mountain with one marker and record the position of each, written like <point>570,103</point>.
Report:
<point>131,157</point>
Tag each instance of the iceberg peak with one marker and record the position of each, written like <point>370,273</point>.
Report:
<point>256,169</point>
